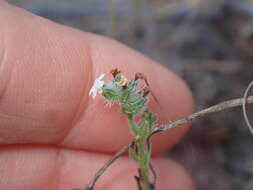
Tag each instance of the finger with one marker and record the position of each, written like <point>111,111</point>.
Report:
<point>50,168</point>
<point>47,70</point>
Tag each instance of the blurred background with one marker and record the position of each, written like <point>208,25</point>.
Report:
<point>209,43</point>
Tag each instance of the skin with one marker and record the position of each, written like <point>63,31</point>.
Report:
<point>52,135</point>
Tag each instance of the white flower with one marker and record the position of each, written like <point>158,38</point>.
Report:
<point>97,85</point>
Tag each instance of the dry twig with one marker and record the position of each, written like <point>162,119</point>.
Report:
<point>216,108</point>
<point>245,101</point>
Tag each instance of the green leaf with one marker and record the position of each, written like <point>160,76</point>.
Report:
<point>112,92</point>
<point>131,86</point>
<point>124,98</point>
<point>135,104</point>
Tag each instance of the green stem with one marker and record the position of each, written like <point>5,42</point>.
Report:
<point>144,170</point>
<point>142,154</point>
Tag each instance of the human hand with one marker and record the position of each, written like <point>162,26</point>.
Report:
<point>52,135</point>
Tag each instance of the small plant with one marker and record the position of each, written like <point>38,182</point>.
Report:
<point>132,101</point>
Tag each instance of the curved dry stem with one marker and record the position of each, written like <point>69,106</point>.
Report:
<point>245,101</point>
<point>100,172</point>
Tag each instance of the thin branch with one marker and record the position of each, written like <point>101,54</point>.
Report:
<point>216,108</point>
<point>100,172</point>
<point>245,115</point>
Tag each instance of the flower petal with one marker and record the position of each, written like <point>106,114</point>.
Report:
<point>101,76</point>
<point>98,83</point>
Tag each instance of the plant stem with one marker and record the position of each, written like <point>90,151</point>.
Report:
<point>143,157</point>
<point>144,177</point>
